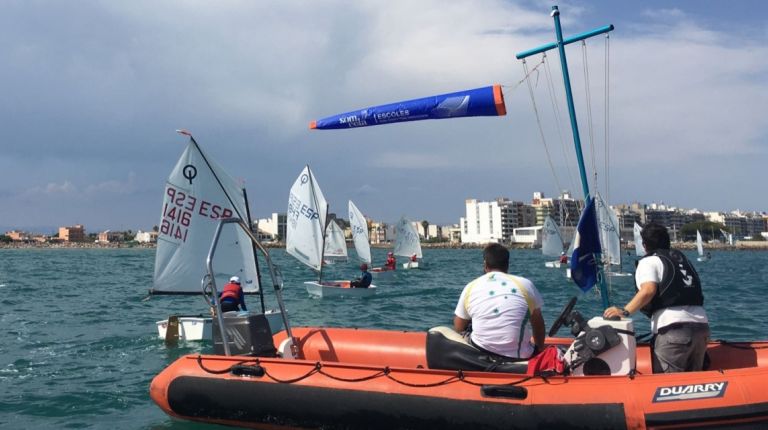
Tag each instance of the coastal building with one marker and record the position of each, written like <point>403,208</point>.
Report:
<point>482,223</point>
<point>273,227</point>
<point>451,233</point>
<point>109,236</point>
<point>377,231</point>
<point>74,233</point>
<point>146,236</point>
<point>18,236</point>
<point>564,210</point>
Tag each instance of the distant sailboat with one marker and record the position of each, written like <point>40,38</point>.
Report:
<point>700,248</point>
<point>551,242</point>
<point>361,240</point>
<point>197,194</point>
<point>407,244</point>
<point>639,248</point>
<point>305,235</point>
<point>610,238</point>
<point>727,237</point>
<point>335,244</point>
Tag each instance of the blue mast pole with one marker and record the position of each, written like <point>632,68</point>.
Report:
<point>560,45</point>
<point>569,97</point>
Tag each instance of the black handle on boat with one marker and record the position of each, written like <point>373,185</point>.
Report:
<point>508,391</point>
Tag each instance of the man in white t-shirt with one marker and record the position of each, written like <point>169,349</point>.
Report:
<point>669,293</point>
<point>500,307</point>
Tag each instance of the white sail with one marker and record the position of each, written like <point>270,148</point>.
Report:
<point>199,193</point>
<point>728,237</point>
<point>406,239</point>
<point>359,233</point>
<point>551,239</point>
<point>639,248</point>
<point>305,223</point>
<point>609,231</point>
<point>699,245</point>
<point>335,243</point>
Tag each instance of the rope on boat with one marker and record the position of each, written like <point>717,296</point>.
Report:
<point>255,368</point>
<point>555,102</point>
<point>541,128</point>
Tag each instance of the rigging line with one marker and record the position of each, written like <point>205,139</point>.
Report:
<point>541,129</point>
<point>558,123</point>
<point>607,113</point>
<point>589,108</point>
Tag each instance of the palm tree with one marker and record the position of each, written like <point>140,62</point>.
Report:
<point>425,225</point>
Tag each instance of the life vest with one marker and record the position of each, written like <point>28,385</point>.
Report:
<point>390,262</point>
<point>550,361</point>
<point>231,291</point>
<point>679,286</point>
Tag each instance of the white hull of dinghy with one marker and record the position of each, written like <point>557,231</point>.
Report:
<point>338,289</point>
<point>553,264</point>
<point>198,328</point>
<point>380,273</point>
<point>414,265</point>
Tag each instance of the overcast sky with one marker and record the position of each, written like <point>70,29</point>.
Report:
<point>92,92</point>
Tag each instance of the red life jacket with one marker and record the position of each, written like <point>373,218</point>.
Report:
<point>550,360</point>
<point>231,291</point>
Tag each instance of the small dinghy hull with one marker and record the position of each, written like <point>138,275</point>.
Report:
<point>337,289</point>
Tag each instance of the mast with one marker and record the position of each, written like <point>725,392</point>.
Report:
<point>560,45</point>
<point>253,248</point>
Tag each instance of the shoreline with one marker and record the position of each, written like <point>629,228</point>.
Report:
<point>739,246</point>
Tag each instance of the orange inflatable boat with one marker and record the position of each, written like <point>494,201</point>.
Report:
<point>354,378</point>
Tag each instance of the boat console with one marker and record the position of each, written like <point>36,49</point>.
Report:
<point>601,347</point>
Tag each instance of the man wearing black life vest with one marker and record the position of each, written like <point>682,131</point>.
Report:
<point>669,293</point>
<point>232,297</point>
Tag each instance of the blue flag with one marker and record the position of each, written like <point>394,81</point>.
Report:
<point>486,101</point>
<point>586,247</point>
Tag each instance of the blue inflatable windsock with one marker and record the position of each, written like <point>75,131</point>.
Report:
<point>586,249</point>
<point>486,101</point>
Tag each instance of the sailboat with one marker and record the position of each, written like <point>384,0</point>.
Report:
<point>197,194</point>
<point>639,248</point>
<point>407,244</point>
<point>610,240</point>
<point>305,236</point>
<point>335,244</point>
<point>727,237</point>
<point>700,248</point>
<point>551,242</point>
<point>361,240</point>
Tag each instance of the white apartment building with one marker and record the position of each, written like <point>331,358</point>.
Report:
<point>482,223</point>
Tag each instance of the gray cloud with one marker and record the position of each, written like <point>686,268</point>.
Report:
<point>94,91</point>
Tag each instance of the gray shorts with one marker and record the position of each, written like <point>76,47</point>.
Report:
<point>680,348</point>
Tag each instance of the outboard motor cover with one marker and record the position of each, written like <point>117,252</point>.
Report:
<point>246,335</point>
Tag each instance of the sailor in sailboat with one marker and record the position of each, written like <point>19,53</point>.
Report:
<point>669,293</point>
<point>365,279</point>
<point>563,258</point>
<point>232,297</point>
<point>391,263</point>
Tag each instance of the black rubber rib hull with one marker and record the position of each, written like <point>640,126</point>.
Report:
<point>301,406</point>
<point>753,416</point>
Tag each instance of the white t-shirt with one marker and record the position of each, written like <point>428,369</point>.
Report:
<point>499,306</point>
<point>651,269</point>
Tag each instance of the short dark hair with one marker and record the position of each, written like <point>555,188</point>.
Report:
<point>496,257</point>
<point>655,236</point>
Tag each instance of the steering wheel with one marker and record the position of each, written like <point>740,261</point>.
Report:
<point>562,317</point>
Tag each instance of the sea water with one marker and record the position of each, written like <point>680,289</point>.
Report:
<point>80,346</point>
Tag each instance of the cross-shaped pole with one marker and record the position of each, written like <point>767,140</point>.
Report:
<point>560,45</point>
